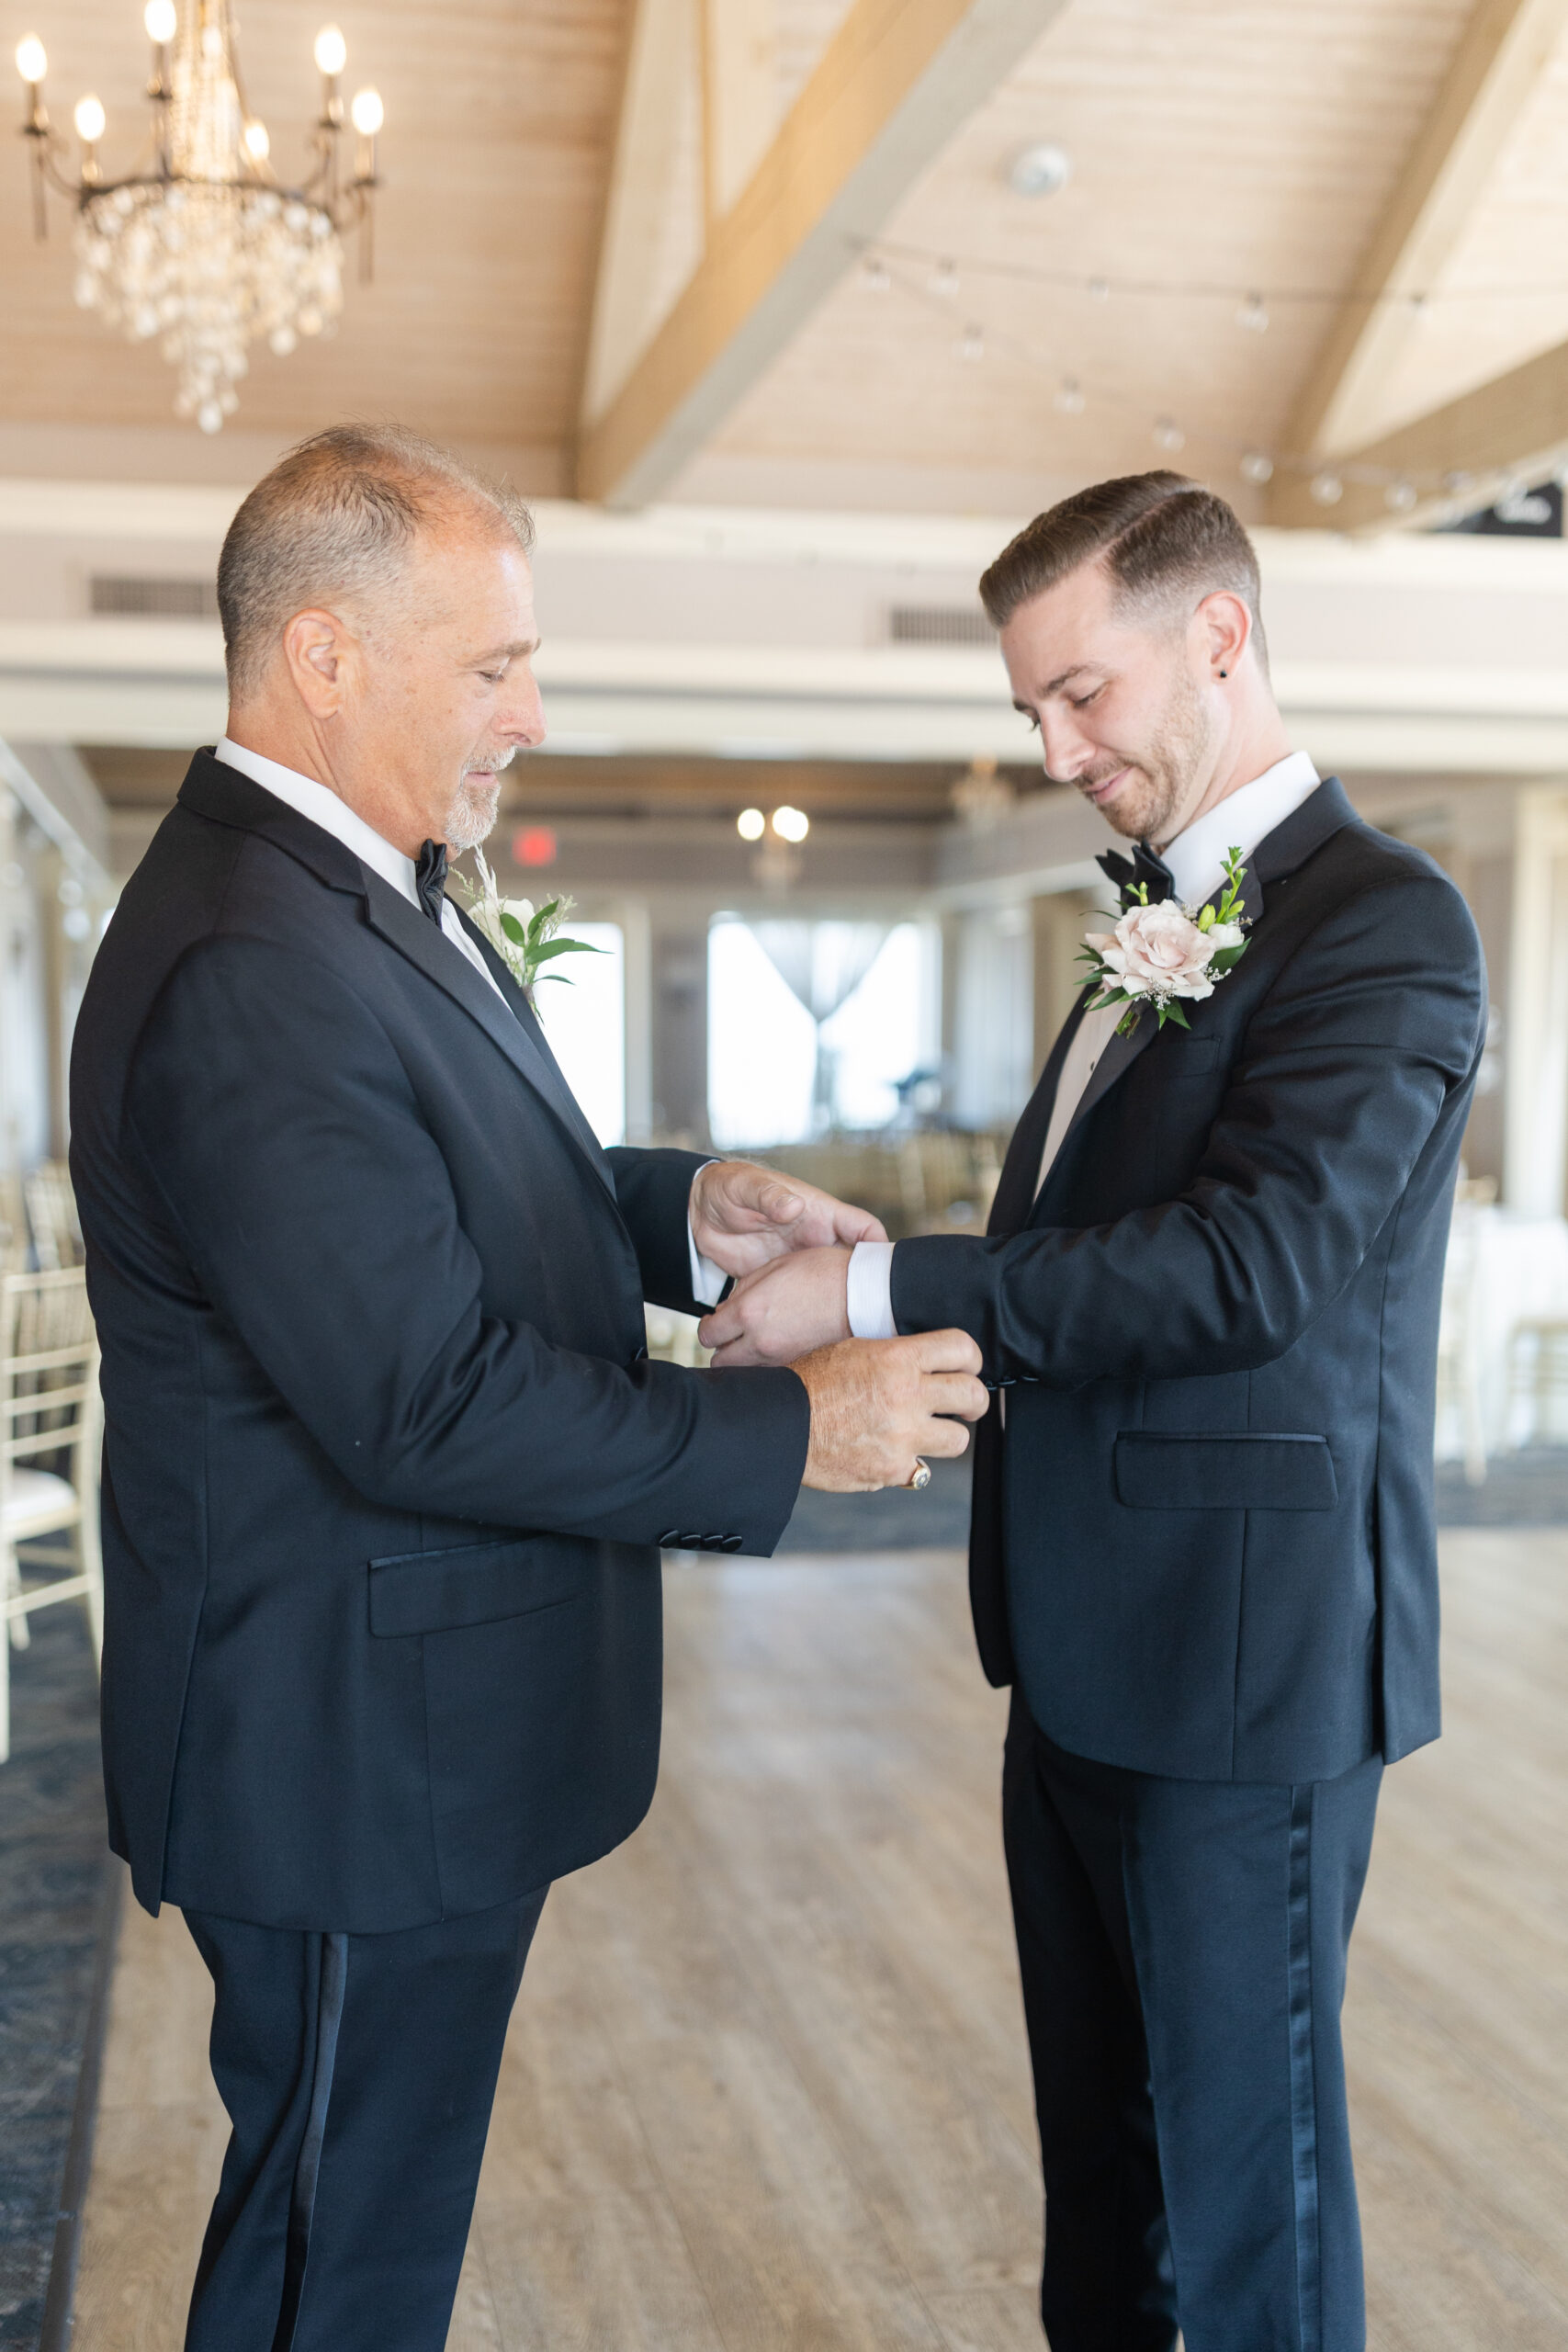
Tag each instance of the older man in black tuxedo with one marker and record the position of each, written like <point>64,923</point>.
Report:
<point>1202,1549</point>
<point>387,1469</point>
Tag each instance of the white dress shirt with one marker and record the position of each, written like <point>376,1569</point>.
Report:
<point>1197,863</point>
<point>323,807</point>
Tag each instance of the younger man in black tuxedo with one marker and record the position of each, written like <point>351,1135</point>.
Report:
<point>1203,1548</point>
<point>387,1470</point>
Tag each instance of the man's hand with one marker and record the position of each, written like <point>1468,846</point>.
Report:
<point>783,1310</point>
<point>875,1405</point>
<point>743,1215</point>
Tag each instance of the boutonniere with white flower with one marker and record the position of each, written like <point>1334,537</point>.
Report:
<point>1164,955</point>
<point>523,935</point>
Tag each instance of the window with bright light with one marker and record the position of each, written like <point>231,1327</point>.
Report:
<point>774,1074</point>
<point>584,1018</point>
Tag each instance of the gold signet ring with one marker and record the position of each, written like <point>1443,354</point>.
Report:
<point>921,1476</point>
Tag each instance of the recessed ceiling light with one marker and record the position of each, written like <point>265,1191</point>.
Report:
<point>1040,169</point>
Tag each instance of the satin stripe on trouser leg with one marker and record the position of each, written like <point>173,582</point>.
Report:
<point>358,2073</point>
<point>1191,1935</point>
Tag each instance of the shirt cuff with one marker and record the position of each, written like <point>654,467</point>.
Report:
<point>707,1280</point>
<point>869,1291</point>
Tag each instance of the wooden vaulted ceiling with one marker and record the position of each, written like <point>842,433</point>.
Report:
<point>501,119</point>
<point>1344,157</point>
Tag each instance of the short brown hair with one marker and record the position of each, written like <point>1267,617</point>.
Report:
<point>1163,540</point>
<point>334,518</point>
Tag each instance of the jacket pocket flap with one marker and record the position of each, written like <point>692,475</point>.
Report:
<point>473,1584</point>
<point>1230,1470</point>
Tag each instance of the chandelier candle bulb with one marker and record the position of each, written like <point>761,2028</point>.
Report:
<point>198,245</point>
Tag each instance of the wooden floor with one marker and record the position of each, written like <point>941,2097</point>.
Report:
<point>765,2086</point>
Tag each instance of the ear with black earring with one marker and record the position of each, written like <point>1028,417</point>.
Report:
<point>1224,673</point>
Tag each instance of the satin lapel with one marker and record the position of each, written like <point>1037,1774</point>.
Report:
<point>1320,815</point>
<point>534,1031</point>
<point>415,936</point>
<point>1021,1169</point>
<point>1118,1058</point>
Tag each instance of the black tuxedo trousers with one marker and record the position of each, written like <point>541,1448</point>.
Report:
<point>358,2073</point>
<point>386,1475</point>
<point>1203,1552</point>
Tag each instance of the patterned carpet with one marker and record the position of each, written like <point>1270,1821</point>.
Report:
<point>53,1865</point>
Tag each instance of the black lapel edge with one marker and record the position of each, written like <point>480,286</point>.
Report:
<point>1051,1075</point>
<point>414,936</point>
<point>1120,1055</point>
<point>1319,817</point>
<point>533,1029</point>
<point>225,797</point>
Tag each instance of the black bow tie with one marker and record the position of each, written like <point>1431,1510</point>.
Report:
<point>1144,869</point>
<point>430,878</point>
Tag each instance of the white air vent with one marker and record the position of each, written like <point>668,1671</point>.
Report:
<point>159,599</point>
<point>938,625</point>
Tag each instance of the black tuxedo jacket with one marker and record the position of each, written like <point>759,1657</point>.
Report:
<point>1204,1545</point>
<point>385,1467</point>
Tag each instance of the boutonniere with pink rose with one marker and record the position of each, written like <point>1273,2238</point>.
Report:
<point>1165,955</point>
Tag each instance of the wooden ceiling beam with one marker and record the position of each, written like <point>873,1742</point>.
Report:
<point>1502,55</point>
<point>898,79</point>
<point>1457,457</point>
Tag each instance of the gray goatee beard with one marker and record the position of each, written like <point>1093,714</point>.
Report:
<point>472,817</point>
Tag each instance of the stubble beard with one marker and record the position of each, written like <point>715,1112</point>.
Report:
<point>1146,808</point>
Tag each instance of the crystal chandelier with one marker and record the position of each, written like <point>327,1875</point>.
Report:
<point>200,245</point>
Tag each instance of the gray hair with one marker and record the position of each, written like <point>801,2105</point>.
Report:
<point>336,518</point>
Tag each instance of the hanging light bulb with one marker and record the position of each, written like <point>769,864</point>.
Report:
<point>790,824</point>
<point>750,824</point>
<point>1254,315</point>
<point>1099,289</point>
<point>1069,397</point>
<point>972,344</point>
<point>1327,489</point>
<point>1168,435</point>
<point>197,247</point>
<point>1257,465</point>
<point>943,281</point>
<point>875,276</point>
<point>1400,496</point>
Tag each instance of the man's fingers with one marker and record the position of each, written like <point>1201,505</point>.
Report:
<point>953,1392</point>
<point>780,1204</point>
<point>947,1352</point>
<point>945,1439</point>
<point>856,1225</point>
